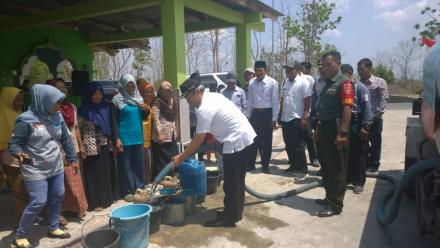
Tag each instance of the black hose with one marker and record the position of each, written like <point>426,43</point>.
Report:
<point>304,188</point>
<point>277,196</point>
<point>395,192</point>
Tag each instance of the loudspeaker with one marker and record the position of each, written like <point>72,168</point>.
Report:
<point>80,82</point>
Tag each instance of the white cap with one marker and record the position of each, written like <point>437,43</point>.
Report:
<point>250,69</point>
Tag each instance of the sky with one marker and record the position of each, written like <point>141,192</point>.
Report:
<point>368,26</point>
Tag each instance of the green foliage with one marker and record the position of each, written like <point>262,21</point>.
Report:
<point>140,60</point>
<point>39,72</point>
<point>432,27</point>
<point>386,73</point>
<point>309,25</point>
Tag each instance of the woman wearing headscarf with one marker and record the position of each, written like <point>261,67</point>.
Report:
<point>74,197</point>
<point>146,90</point>
<point>38,138</point>
<point>98,127</point>
<point>129,105</point>
<point>11,101</point>
<point>164,127</point>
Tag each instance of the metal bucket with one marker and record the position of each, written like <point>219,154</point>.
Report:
<point>155,216</point>
<point>213,181</point>
<point>105,238</point>
<point>190,199</point>
<point>174,212</point>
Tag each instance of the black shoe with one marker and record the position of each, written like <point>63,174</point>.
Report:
<point>220,222</point>
<point>289,169</point>
<point>372,169</point>
<point>315,163</point>
<point>358,189</point>
<point>65,235</point>
<point>328,212</point>
<point>219,213</point>
<point>265,170</point>
<point>322,202</point>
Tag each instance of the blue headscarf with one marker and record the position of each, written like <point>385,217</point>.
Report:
<point>123,97</point>
<point>44,98</point>
<point>96,113</point>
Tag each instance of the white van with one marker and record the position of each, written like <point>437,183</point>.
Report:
<point>209,78</point>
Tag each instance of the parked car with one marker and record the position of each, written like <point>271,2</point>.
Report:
<point>110,88</point>
<point>210,78</point>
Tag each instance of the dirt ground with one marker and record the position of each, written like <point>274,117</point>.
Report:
<point>290,222</point>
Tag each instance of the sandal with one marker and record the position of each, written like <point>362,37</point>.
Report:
<point>128,197</point>
<point>24,244</point>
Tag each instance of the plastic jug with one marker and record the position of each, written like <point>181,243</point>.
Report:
<point>193,177</point>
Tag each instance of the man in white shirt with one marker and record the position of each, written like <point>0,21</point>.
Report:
<point>234,93</point>
<point>262,111</point>
<point>220,117</point>
<point>293,118</point>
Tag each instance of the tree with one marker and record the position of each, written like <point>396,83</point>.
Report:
<point>431,28</point>
<point>386,73</point>
<point>101,62</point>
<point>119,63</point>
<point>309,25</point>
<point>140,60</point>
<point>194,51</point>
<point>406,53</point>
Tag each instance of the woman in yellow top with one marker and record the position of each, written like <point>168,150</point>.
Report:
<point>147,92</point>
<point>11,100</point>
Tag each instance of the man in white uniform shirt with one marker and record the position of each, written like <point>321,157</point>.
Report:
<point>262,111</point>
<point>220,117</point>
<point>293,118</point>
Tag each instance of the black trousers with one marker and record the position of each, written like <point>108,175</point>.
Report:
<point>310,143</point>
<point>375,145</point>
<point>234,172</point>
<point>261,120</point>
<point>293,138</point>
<point>357,158</point>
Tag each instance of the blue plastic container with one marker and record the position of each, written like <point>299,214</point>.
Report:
<point>133,224</point>
<point>193,177</point>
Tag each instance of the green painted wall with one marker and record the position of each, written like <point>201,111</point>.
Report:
<point>16,46</point>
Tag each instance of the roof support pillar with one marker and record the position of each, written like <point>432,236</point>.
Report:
<point>242,49</point>
<point>173,31</point>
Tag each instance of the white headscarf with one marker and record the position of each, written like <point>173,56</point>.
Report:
<point>123,97</point>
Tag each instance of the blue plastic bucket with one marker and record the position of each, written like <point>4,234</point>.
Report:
<point>133,224</point>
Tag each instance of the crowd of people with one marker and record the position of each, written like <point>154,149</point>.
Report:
<point>336,116</point>
<point>62,160</point>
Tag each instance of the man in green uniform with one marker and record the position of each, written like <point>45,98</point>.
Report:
<point>333,114</point>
